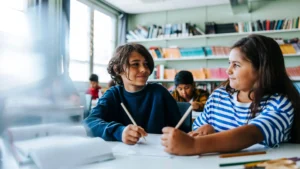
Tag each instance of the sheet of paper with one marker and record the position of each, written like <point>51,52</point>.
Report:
<point>256,147</point>
<point>151,147</point>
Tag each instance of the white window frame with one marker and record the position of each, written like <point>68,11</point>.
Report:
<point>94,5</point>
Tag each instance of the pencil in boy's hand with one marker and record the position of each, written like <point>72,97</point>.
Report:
<point>184,116</point>
<point>130,117</point>
<point>242,154</point>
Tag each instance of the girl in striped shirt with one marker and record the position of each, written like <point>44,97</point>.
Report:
<point>257,104</point>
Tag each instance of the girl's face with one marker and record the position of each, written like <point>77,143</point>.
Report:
<point>242,75</point>
<point>185,91</point>
<point>136,74</point>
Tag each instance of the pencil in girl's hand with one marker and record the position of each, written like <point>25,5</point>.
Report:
<point>130,117</point>
<point>184,117</point>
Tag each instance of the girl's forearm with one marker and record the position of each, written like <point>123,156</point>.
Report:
<point>231,140</point>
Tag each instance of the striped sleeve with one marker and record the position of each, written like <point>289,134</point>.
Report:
<point>204,116</point>
<point>275,121</point>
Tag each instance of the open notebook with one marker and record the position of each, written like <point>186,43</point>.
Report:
<point>56,146</point>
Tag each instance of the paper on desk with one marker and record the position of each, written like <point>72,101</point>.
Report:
<point>65,151</point>
<point>256,147</point>
<point>151,147</point>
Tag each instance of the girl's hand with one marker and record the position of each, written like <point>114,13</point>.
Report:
<point>177,142</point>
<point>131,134</point>
<point>202,131</point>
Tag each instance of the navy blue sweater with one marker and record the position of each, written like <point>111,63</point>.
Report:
<point>152,108</point>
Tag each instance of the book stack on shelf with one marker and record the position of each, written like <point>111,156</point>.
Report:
<point>163,31</point>
<point>160,72</point>
<point>252,26</point>
<point>293,71</point>
<point>289,46</point>
<point>176,52</point>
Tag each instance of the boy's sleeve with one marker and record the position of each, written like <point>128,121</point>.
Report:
<point>275,122</point>
<point>99,123</point>
<point>203,117</point>
<point>202,100</point>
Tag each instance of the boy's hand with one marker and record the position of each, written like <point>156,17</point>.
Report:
<point>177,142</point>
<point>131,134</point>
<point>195,105</point>
<point>202,131</point>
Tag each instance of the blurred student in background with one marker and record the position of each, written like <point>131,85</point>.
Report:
<point>94,89</point>
<point>185,91</point>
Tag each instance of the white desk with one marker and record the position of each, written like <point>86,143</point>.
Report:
<point>148,162</point>
<point>94,103</point>
<point>205,161</point>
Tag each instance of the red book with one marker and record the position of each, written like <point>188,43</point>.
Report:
<point>268,25</point>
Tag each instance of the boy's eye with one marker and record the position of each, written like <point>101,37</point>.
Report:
<point>135,64</point>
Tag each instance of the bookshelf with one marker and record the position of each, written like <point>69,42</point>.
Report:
<point>295,79</point>
<point>218,14</point>
<point>207,58</point>
<point>214,35</point>
<point>196,80</point>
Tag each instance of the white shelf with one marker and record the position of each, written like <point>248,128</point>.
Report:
<point>208,58</point>
<point>215,35</point>
<point>191,58</point>
<point>196,80</point>
<point>297,78</point>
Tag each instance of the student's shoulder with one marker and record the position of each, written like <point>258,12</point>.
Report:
<point>220,91</point>
<point>154,87</point>
<point>201,92</point>
<point>277,98</point>
<point>113,90</point>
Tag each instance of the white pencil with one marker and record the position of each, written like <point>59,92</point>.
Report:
<point>130,117</point>
<point>189,110</point>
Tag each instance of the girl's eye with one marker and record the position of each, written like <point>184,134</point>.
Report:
<point>235,65</point>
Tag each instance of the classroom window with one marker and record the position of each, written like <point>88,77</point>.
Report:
<point>79,41</point>
<point>104,43</point>
<point>79,71</point>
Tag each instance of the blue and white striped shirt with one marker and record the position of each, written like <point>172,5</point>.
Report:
<point>224,112</point>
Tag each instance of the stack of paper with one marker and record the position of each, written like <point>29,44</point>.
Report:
<point>56,146</point>
<point>64,151</point>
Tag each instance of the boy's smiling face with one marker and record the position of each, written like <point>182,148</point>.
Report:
<point>136,74</point>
